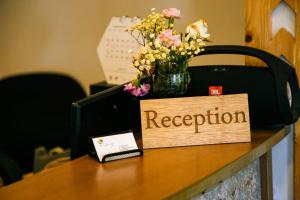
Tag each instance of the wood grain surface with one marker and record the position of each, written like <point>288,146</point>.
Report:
<point>195,121</point>
<point>171,173</point>
<point>259,28</point>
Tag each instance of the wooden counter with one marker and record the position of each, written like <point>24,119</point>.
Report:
<point>175,173</point>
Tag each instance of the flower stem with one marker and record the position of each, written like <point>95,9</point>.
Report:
<point>171,23</point>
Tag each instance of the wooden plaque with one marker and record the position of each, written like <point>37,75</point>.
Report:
<point>195,121</point>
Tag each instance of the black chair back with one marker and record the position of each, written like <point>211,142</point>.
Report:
<point>36,110</point>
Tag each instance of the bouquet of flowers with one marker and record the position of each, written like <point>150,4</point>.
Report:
<point>164,50</point>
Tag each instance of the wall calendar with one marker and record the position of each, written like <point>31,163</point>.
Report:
<point>116,49</point>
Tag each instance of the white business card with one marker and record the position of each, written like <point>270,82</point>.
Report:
<point>113,144</point>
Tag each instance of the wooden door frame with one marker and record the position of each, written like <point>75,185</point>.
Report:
<point>258,34</point>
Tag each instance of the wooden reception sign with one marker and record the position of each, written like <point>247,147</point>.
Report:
<point>195,121</point>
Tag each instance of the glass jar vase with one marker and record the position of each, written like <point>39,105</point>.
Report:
<point>170,85</point>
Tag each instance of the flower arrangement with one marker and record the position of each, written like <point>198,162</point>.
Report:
<point>164,50</point>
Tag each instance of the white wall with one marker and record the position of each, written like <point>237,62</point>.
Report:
<point>62,35</point>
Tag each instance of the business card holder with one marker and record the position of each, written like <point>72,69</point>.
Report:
<point>122,155</point>
<point>118,155</point>
<point>113,155</point>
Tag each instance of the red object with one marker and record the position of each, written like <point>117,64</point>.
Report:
<point>215,90</point>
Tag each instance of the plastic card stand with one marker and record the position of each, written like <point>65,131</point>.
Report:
<point>116,146</point>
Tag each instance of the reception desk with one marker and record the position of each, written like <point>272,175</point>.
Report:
<point>171,173</point>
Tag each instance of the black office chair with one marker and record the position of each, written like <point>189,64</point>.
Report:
<point>35,111</point>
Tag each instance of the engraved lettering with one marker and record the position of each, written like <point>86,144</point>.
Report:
<point>229,118</point>
<point>237,116</point>
<point>187,118</point>
<point>197,122</point>
<point>151,119</point>
<point>164,120</point>
<point>217,116</point>
<point>174,121</point>
<point>208,117</point>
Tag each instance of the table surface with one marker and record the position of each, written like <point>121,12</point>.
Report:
<point>175,173</point>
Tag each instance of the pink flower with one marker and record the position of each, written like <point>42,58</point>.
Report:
<point>145,89</point>
<point>168,39</point>
<point>171,12</point>
<point>136,92</point>
<point>129,87</point>
<point>176,40</point>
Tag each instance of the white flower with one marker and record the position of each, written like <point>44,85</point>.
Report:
<point>198,27</point>
<point>190,30</point>
<point>202,26</point>
<point>152,35</point>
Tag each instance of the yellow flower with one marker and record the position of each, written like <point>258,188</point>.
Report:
<point>187,37</point>
<point>156,44</point>
<point>158,49</point>
<point>148,67</point>
<point>141,67</point>
<point>143,50</point>
<point>136,56</point>
<point>173,48</point>
<point>136,63</point>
